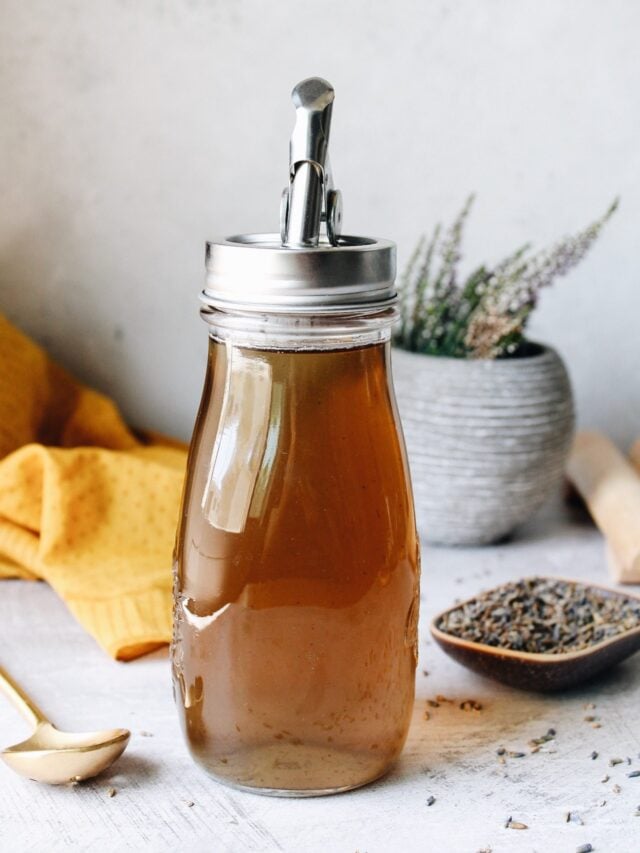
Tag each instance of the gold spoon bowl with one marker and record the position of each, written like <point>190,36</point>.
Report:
<point>57,757</point>
<point>543,672</point>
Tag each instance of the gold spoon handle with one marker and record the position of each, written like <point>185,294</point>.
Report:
<point>16,694</point>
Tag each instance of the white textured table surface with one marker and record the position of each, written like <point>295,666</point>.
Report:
<point>451,756</point>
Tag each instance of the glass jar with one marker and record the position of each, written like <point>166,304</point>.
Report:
<point>297,560</point>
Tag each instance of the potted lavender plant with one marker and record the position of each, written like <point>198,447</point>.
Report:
<point>487,414</point>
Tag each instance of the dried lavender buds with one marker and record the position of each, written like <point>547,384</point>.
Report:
<point>539,741</point>
<point>515,824</point>
<point>542,615</point>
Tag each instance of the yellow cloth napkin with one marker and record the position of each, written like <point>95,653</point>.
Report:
<point>85,504</point>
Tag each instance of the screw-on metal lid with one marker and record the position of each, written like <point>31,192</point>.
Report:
<point>301,270</point>
<point>255,272</point>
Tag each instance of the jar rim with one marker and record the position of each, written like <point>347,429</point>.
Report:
<point>300,331</point>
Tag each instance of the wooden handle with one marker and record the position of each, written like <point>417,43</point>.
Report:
<point>610,485</point>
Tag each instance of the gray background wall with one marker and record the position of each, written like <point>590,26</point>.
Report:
<point>133,130</point>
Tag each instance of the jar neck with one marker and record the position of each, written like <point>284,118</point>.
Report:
<point>300,331</point>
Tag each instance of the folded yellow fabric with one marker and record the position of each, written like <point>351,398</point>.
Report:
<point>85,504</point>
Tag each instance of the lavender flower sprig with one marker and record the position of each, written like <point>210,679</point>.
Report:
<point>485,315</point>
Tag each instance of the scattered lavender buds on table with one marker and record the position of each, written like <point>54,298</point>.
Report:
<point>538,741</point>
<point>515,824</point>
<point>540,615</point>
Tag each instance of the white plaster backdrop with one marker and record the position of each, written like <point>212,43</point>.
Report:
<point>133,130</point>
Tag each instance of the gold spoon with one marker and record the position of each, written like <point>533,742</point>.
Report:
<point>56,757</point>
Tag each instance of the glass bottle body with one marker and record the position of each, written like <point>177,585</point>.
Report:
<point>296,576</point>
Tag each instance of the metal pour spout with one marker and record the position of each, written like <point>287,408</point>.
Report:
<point>310,198</point>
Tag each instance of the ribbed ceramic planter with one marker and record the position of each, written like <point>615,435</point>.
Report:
<point>487,440</point>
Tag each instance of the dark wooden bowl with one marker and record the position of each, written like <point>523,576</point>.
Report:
<point>540,672</point>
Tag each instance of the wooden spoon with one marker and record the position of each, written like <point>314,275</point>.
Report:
<point>541,672</point>
<point>56,757</point>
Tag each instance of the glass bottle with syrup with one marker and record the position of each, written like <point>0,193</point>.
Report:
<point>297,561</point>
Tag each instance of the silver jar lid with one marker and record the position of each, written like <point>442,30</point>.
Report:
<point>309,266</point>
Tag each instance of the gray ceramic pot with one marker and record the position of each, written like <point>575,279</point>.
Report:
<point>487,440</point>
